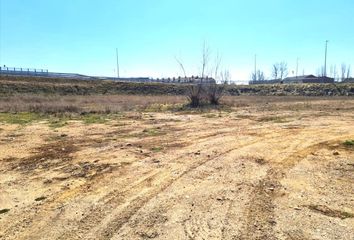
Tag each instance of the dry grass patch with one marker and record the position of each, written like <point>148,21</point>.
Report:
<point>100,104</point>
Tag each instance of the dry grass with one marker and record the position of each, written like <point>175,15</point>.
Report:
<point>106,104</point>
<point>84,104</point>
<point>290,103</point>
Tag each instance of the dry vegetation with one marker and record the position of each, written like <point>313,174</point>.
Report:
<point>148,167</point>
<point>30,85</point>
<point>84,104</point>
<point>105,104</point>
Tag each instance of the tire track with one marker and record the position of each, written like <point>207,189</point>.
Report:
<point>124,215</point>
<point>95,216</point>
<point>115,226</point>
<point>260,214</point>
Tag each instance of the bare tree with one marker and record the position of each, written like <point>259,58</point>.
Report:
<point>258,76</point>
<point>214,92</point>
<point>181,66</point>
<point>254,76</point>
<point>280,70</point>
<point>343,71</point>
<point>205,60</point>
<point>225,77</point>
<point>348,72</point>
<point>195,89</point>
<point>320,71</point>
<point>283,70</point>
<point>275,71</point>
<point>217,66</point>
<point>205,88</point>
<point>333,71</point>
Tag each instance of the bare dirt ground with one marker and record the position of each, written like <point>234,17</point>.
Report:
<point>264,170</point>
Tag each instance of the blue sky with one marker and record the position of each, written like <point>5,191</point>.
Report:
<point>81,35</point>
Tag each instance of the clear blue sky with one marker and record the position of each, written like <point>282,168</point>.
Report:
<point>81,35</point>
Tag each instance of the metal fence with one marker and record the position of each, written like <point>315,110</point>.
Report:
<point>23,71</point>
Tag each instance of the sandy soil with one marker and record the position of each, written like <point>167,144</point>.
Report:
<point>274,170</point>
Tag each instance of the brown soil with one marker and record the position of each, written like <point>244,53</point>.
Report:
<point>260,171</point>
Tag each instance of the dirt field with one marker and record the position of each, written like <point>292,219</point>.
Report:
<point>268,169</point>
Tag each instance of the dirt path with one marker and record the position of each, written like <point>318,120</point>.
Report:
<point>246,174</point>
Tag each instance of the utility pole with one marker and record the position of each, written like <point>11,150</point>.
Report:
<point>325,65</point>
<point>297,66</point>
<point>117,63</point>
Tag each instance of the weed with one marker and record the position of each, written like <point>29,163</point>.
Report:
<point>94,118</point>
<point>152,132</point>
<point>276,119</point>
<point>19,118</point>
<point>157,107</point>
<point>349,143</point>
<point>57,122</point>
<point>55,138</point>
<point>243,116</point>
<point>210,115</point>
<point>156,149</point>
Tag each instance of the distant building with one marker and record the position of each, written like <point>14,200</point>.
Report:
<point>307,79</point>
<point>348,80</point>
<point>296,80</point>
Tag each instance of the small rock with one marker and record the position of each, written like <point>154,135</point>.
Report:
<point>272,222</point>
<point>128,144</point>
<point>335,153</point>
<point>40,199</point>
<point>47,181</point>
